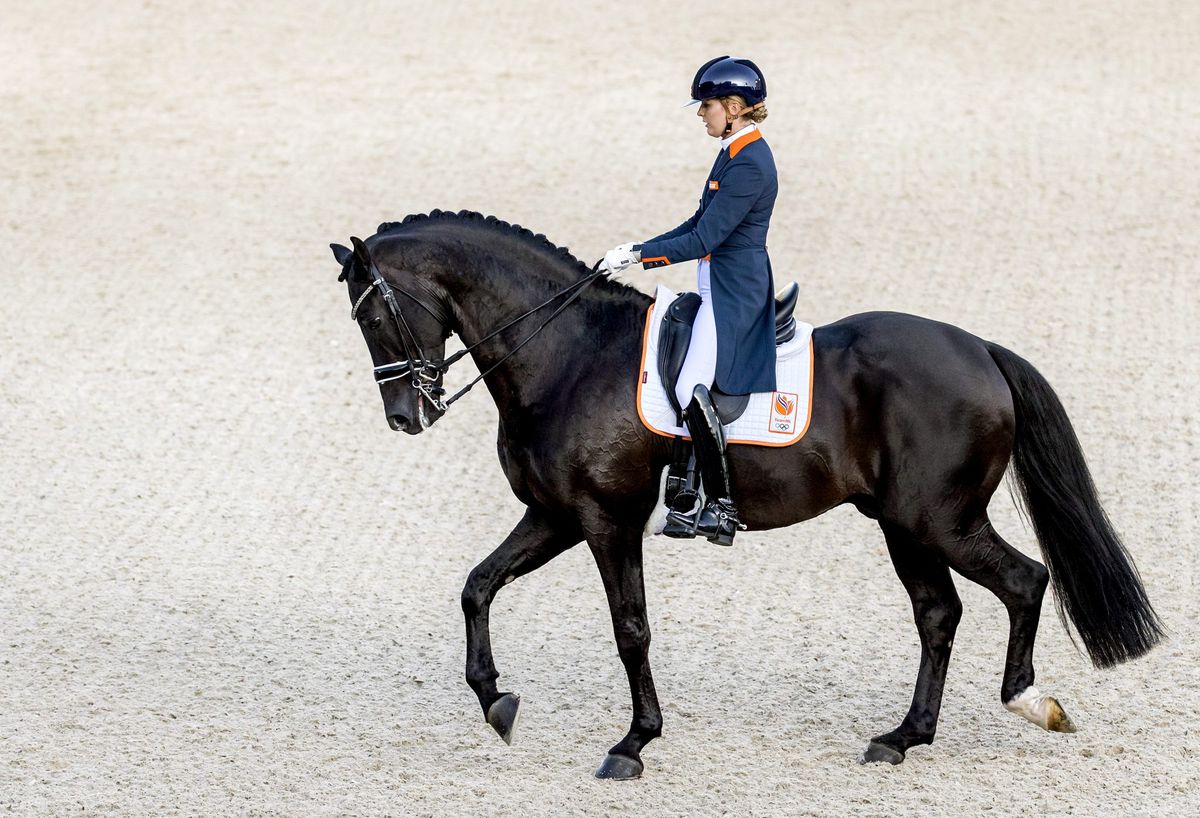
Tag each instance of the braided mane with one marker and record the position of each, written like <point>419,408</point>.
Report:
<point>534,239</point>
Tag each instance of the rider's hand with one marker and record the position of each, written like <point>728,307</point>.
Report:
<point>620,257</point>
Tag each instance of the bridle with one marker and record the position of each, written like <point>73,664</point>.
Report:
<point>425,372</point>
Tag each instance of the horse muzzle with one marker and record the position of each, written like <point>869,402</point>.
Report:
<point>414,421</point>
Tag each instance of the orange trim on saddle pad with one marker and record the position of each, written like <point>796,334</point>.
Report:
<point>742,141</point>
<point>637,400</point>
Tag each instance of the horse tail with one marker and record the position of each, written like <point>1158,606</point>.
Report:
<point>1095,582</point>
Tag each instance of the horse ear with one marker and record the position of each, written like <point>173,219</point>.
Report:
<point>361,253</point>
<point>346,258</point>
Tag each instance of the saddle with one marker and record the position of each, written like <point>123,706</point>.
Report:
<point>676,334</point>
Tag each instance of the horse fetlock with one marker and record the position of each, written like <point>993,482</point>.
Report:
<point>1041,709</point>
<point>483,682</point>
<point>646,729</point>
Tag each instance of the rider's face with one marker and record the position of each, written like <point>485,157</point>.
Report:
<point>717,115</point>
<point>714,116</point>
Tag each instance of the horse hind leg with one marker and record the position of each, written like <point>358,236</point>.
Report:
<point>1019,582</point>
<point>936,610</point>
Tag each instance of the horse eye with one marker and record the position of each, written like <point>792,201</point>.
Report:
<point>375,322</point>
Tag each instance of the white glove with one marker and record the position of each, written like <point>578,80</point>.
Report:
<point>620,257</point>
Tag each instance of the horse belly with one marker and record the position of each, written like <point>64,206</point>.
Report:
<point>780,487</point>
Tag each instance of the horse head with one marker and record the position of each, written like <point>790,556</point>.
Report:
<point>405,329</point>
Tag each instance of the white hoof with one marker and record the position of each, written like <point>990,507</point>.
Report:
<point>1042,710</point>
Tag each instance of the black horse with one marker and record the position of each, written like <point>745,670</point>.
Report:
<point>913,422</point>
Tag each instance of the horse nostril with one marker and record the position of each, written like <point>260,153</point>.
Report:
<point>399,423</point>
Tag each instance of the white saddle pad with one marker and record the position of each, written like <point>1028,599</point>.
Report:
<point>778,418</point>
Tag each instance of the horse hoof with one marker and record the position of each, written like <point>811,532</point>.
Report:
<point>620,768</point>
<point>1042,710</point>
<point>1057,720</point>
<point>877,752</point>
<point>504,715</point>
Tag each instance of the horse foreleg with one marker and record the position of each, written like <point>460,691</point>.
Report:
<point>535,541</point>
<point>936,609</point>
<point>619,557</point>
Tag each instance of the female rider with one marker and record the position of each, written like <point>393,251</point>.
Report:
<point>733,339</point>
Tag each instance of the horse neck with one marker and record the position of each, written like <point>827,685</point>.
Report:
<point>489,284</point>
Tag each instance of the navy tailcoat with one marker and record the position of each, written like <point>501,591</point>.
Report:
<point>731,227</point>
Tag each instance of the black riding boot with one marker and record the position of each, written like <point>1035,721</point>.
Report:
<point>717,520</point>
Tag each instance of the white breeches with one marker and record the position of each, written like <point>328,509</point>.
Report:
<point>700,365</point>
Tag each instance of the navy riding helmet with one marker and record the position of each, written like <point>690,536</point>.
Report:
<point>729,75</point>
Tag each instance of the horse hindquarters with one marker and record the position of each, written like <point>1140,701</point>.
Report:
<point>944,433</point>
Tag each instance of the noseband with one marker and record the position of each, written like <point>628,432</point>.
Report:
<point>425,372</point>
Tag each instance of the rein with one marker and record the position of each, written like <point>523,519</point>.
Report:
<point>425,372</point>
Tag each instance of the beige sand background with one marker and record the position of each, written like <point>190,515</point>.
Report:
<point>227,588</point>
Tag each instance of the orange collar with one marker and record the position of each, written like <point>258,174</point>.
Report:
<point>742,141</point>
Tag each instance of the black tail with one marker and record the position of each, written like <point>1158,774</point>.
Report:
<point>1095,582</point>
